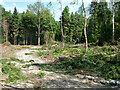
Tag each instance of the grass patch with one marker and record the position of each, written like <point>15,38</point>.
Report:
<point>28,53</point>
<point>35,48</point>
<point>26,66</point>
<point>25,47</point>
<point>99,61</point>
<point>40,74</point>
<point>43,53</point>
<point>13,72</point>
<point>15,59</point>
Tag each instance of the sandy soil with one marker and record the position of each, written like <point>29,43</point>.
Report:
<point>54,80</point>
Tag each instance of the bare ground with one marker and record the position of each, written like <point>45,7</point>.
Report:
<point>51,79</point>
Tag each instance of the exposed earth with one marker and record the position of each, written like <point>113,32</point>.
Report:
<point>50,80</point>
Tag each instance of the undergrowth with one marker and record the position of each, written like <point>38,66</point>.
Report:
<point>105,62</point>
<point>43,53</point>
<point>13,72</point>
<point>102,61</point>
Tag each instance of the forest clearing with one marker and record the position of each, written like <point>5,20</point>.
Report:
<point>55,67</point>
<point>79,48</point>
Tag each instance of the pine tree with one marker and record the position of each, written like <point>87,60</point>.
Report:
<point>66,23</point>
<point>15,25</point>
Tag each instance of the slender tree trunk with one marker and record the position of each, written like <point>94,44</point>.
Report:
<point>31,39</point>
<point>113,23</point>
<point>26,41</point>
<point>15,40</point>
<point>24,38</point>
<point>5,26</point>
<point>38,34</point>
<point>63,40</point>
<point>71,37</point>
<point>86,42</point>
<point>0,34</point>
<point>52,30</point>
<point>0,24</point>
<point>7,35</point>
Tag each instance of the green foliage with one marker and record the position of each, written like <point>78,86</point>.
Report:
<point>26,66</point>
<point>103,61</point>
<point>28,53</point>
<point>41,74</point>
<point>13,72</point>
<point>31,61</point>
<point>99,29</point>
<point>15,59</point>
<point>25,47</point>
<point>43,53</point>
<point>43,48</point>
<point>23,27</point>
<point>56,51</point>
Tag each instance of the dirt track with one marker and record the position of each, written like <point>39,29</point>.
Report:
<point>53,79</point>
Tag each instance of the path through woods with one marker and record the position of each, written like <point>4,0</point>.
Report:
<point>51,79</point>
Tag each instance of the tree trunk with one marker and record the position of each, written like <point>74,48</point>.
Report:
<point>38,34</point>
<point>53,37</point>
<point>0,34</point>
<point>0,24</point>
<point>86,42</point>
<point>62,28</point>
<point>52,30</point>
<point>31,40</point>
<point>15,40</point>
<point>7,36</point>
<point>5,26</point>
<point>24,38</point>
<point>71,38</point>
<point>113,23</point>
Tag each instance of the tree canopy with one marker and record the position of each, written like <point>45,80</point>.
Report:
<point>38,26</point>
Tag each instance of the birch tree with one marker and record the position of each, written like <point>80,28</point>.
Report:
<point>36,9</point>
<point>0,24</point>
<point>63,41</point>
<point>52,34</point>
<point>85,25</point>
<point>113,20</point>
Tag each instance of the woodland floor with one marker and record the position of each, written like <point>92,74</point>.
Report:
<point>31,68</point>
